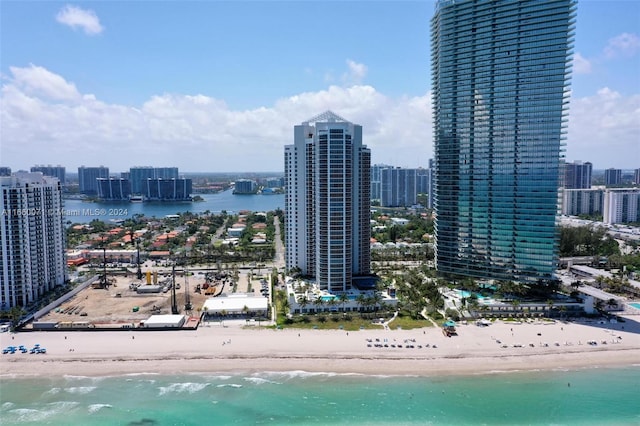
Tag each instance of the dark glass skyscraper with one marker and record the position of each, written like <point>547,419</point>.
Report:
<point>501,73</point>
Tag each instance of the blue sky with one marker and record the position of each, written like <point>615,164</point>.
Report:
<point>218,86</point>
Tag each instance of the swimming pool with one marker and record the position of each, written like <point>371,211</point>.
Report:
<point>635,305</point>
<point>328,298</point>
<point>467,294</point>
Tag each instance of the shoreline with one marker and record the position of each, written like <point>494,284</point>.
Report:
<point>494,349</point>
<point>419,367</point>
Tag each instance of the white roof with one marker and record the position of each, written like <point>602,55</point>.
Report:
<point>164,319</point>
<point>235,303</point>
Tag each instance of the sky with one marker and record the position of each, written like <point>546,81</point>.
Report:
<point>217,86</point>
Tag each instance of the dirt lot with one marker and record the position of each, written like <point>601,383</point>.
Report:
<point>115,306</point>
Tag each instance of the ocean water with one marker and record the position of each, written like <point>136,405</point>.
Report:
<point>582,397</point>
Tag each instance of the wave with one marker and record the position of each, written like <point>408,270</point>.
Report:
<point>52,391</point>
<point>217,377</point>
<point>80,390</point>
<point>229,385</point>
<point>187,387</point>
<point>260,381</point>
<point>23,415</point>
<point>92,379</point>
<point>94,408</point>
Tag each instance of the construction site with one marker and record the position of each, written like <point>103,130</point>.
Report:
<point>121,302</point>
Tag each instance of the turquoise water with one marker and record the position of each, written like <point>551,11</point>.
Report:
<point>635,305</point>
<point>328,298</point>
<point>585,397</point>
<point>467,294</point>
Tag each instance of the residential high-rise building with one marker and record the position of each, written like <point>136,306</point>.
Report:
<point>577,175</point>
<point>612,177</point>
<point>114,189</point>
<point>32,238</point>
<point>398,187</point>
<point>432,183</point>
<point>139,175</point>
<point>5,171</point>
<point>636,176</point>
<point>376,180</point>
<point>621,206</point>
<point>500,73</point>
<point>167,189</point>
<point>59,172</point>
<point>582,201</point>
<point>327,202</point>
<point>423,183</point>
<point>88,178</point>
<point>245,186</point>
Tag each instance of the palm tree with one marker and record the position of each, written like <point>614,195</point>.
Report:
<point>563,310</point>
<point>284,304</point>
<point>15,313</point>
<point>343,298</point>
<point>318,302</point>
<point>303,302</point>
<point>361,301</point>
<point>549,306</point>
<point>332,302</point>
<point>515,303</point>
<point>376,299</point>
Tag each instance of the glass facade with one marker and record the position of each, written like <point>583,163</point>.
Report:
<point>501,73</point>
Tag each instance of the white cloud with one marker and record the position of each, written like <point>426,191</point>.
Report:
<point>355,74</point>
<point>46,119</point>
<point>76,17</point>
<point>622,45</point>
<point>605,129</point>
<point>39,81</point>
<point>581,65</point>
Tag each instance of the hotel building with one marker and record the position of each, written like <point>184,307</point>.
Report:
<point>327,172</point>
<point>500,79</point>
<point>32,238</point>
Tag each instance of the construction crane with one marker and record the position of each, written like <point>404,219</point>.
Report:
<point>187,299</point>
<point>174,304</point>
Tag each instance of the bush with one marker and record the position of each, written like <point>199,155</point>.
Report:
<point>436,315</point>
<point>453,314</point>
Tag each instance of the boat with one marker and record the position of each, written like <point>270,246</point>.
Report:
<point>136,198</point>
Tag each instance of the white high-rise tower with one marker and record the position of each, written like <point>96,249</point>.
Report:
<point>32,238</point>
<point>328,202</point>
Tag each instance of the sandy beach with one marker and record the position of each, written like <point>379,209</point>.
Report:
<point>234,348</point>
